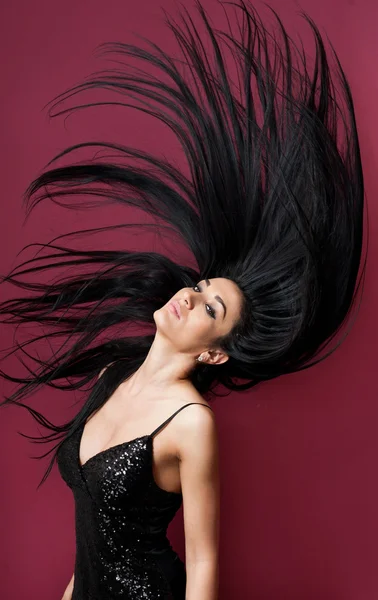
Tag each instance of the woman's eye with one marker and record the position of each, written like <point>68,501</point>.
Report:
<point>210,311</point>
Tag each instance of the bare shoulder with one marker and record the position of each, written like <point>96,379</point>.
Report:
<point>196,430</point>
<point>200,412</point>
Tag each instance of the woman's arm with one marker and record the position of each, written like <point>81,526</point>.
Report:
<point>68,592</point>
<point>198,454</point>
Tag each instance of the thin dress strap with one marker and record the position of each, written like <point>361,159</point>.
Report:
<point>174,414</point>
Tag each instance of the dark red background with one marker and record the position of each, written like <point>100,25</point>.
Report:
<point>298,455</point>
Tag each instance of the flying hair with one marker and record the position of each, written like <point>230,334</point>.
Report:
<point>273,201</point>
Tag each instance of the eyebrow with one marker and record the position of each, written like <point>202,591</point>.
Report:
<point>207,281</point>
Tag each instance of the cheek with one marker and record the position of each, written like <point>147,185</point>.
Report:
<point>199,326</point>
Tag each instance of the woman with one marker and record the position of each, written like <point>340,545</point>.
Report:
<point>273,215</point>
<point>143,493</point>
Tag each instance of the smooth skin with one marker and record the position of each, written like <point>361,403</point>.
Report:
<point>186,450</point>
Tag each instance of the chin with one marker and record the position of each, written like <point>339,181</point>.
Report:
<point>158,317</point>
<point>164,326</point>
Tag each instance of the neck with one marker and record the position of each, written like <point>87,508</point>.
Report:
<point>163,366</point>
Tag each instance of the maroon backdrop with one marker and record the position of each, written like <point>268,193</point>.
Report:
<point>298,455</point>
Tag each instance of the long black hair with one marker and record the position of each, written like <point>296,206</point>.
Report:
<point>274,202</point>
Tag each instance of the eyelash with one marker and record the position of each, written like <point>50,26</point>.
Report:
<point>210,312</point>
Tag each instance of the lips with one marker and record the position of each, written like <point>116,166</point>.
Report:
<point>175,307</point>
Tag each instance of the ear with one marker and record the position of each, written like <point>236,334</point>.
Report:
<point>217,357</point>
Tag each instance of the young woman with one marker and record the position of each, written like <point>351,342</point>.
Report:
<point>135,469</point>
<point>273,215</point>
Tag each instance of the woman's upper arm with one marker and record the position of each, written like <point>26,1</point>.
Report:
<point>199,474</point>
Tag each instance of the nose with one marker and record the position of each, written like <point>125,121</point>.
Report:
<point>188,299</point>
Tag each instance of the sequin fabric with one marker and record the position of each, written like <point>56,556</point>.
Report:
<point>121,521</point>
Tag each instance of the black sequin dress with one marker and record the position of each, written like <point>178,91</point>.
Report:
<point>122,515</point>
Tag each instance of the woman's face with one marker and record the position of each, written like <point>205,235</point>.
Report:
<point>208,310</point>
